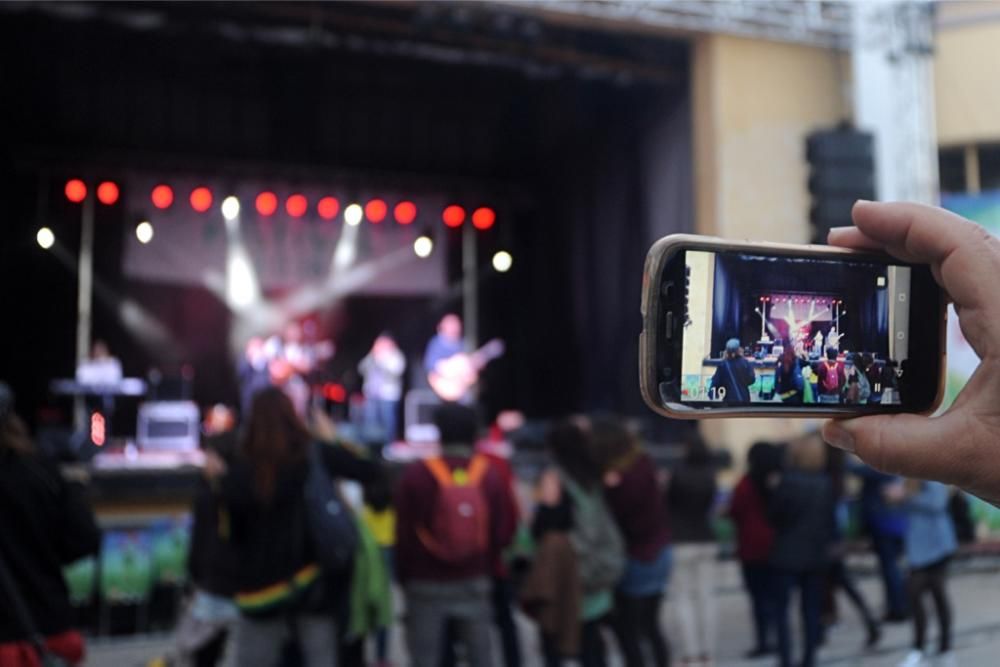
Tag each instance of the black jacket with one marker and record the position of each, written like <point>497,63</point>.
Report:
<point>270,540</point>
<point>690,499</point>
<point>45,523</point>
<point>802,513</point>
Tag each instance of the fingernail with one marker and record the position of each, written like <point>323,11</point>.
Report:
<point>863,201</point>
<point>839,437</point>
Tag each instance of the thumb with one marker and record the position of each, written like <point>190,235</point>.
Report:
<point>903,444</point>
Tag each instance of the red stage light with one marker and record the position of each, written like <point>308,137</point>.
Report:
<point>483,218</point>
<point>296,205</point>
<point>162,196</point>
<point>266,203</point>
<point>76,191</point>
<point>453,216</point>
<point>375,210</point>
<point>107,193</point>
<point>328,207</point>
<point>201,199</point>
<point>405,212</point>
<point>334,392</point>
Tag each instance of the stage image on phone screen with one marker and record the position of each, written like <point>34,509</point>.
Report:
<point>793,331</point>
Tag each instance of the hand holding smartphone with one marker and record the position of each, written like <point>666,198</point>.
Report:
<point>757,329</point>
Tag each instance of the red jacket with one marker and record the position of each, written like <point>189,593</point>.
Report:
<point>415,501</point>
<point>640,510</point>
<point>754,534</point>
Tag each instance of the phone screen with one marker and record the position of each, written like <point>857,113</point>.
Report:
<point>802,332</point>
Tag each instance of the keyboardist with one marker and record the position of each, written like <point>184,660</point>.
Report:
<point>101,368</point>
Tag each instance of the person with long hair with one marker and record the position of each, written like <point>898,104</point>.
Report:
<point>748,509</point>
<point>635,496</point>
<point>576,535</point>
<point>45,524</point>
<point>691,493</point>
<point>288,603</point>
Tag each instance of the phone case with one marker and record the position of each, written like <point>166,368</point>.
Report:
<point>656,258</point>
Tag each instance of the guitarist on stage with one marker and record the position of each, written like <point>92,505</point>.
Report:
<point>452,372</point>
<point>446,344</point>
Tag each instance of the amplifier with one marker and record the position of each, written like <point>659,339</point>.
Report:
<point>168,425</point>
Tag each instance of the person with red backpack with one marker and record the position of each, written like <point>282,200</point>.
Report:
<point>832,377</point>
<point>452,520</point>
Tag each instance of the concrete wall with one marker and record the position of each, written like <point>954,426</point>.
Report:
<point>754,102</point>
<point>967,73</point>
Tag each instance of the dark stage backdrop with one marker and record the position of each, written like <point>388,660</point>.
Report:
<point>587,171</point>
<point>740,280</point>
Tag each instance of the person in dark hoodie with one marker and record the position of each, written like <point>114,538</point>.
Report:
<point>691,492</point>
<point>45,524</point>
<point>801,511</point>
<point>288,604</point>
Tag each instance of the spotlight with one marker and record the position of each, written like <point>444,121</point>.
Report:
<point>162,196</point>
<point>267,203</point>
<point>144,232</point>
<point>76,191</point>
<point>423,246</point>
<point>375,210</point>
<point>353,215</point>
<point>328,207</point>
<point>502,261</point>
<point>453,216</point>
<point>201,199</point>
<point>483,218</point>
<point>230,208</point>
<point>45,238</point>
<point>405,212</point>
<point>107,193</point>
<point>296,205</point>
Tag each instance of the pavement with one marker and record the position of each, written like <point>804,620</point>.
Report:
<point>974,589</point>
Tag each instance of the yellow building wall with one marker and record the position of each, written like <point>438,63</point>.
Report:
<point>967,73</point>
<point>754,103</point>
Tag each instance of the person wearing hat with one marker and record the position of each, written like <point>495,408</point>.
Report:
<point>734,375</point>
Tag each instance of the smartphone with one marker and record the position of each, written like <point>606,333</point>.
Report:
<point>742,329</point>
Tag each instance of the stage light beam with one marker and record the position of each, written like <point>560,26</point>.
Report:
<point>353,215</point>
<point>230,208</point>
<point>423,246</point>
<point>502,261</point>
<point>46,239</point>
<point>144,232</point>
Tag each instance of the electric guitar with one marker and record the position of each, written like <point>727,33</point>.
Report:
<point>453,377</point>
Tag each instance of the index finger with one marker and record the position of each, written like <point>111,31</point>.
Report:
<point>962,254</point>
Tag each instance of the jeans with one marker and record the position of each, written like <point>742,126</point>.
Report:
<point>758,578</point>
<point>503,616</point>
<point>810,586</point>
<point>433,606</point>
<point>930,579</point>
<point>636,622</point>
<point>259,642</point>
<point>889,548</point>
<point>829,398</point>
<point>694,598</point>
<point>381,414</point>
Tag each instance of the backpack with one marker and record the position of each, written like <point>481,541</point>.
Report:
<point>459,527</point>
<point>329,521</point>
<point>831,379</point>
<point>599,547</point>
